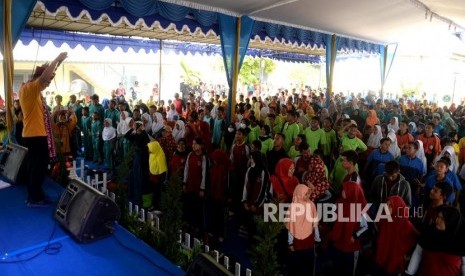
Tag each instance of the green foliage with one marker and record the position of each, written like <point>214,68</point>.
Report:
<point>251,70</point>
<point>190,76</point>
<point>165,240</point>
<point>410,90</point>
<point>303,73</point>
<point>121,179</point>
<point>263,253</point>
<point>188,256</point>
<point>171,222</point>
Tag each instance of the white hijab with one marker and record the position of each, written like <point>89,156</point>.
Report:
<point>179,133</point>
<point>454,166</point>
<point>157,122</point>
<point>373,140</point>
<point>170,115</point>
<point>148,119</point>
<point>414,127</point>
<point>395,126</point>
<point>123,125</point>
<point>421,154</point>
<point>394,148</point>
<point>108,133</point>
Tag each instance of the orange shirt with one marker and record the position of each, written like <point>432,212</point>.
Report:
<point>431,144</point>
<point>403,140</point>
<point>30,100</point>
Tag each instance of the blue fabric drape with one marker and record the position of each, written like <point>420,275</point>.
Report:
<point>246,30</point>
<point>382,67</point>
<point>205,18</point>
<point>143,8</point>
<point>115,13</point>
<point>330,57</point>
<point>58,38</point>
<point>148,9</point>
<point>98,4</point>
<point>227,27</point>
<point>308,37</point>
<point>387,55</point>
<point>21,10</point>
<point>228,35</point>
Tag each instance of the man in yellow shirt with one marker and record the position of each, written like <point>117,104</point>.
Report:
<point>37,136</point>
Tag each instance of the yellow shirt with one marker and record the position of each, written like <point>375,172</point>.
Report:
<point>33,111</point>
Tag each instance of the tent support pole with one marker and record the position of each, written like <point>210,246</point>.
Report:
<point>235,75</point>
<point>159,72</point>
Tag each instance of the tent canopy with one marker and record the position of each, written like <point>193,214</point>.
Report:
<point>168,21</point>
<point>382,21</point>
<point>58,38</point>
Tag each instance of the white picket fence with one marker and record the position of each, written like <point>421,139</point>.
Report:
<point>151,217</point>
<point>78,172</point>
<point>185,240</point>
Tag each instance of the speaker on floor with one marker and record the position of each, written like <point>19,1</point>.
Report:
<point>11,159</point>
<point>86,213</point>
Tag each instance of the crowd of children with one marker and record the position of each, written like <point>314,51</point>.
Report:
<point>290,148</point>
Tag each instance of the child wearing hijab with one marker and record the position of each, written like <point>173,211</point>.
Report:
<point>394,124</point>
<point>395,239</point>
<point>283,181</point>
<point>375,138</point>
<point>346,233</point>
<point>139,175</point>
<point>109,139</point>
<point>179,130</point>
<point>157,125</point>
<point>412,129</point>
<point>372,118</point>
<point>394,147</point>
<point>147,121</point>
<point>302,232</point>
<point>157,172</point>
<point>441,248</point>
<point>255,191</point>
<point>167,142</point>
<point>178,161</point>
<point>449,152</point>
<point>316,176</point>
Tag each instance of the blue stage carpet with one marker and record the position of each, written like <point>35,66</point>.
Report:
<point>22,227</point>
<point>26,232</point>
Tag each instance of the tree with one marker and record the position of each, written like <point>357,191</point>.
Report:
<point>264,256</point>
<point>190,76</point>
<point>410,90</point>
<point>304,74</point>
<point>251,70</point>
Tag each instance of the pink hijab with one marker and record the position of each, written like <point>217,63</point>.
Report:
<point>301,225</point>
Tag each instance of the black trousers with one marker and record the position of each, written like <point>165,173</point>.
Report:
<point>36,163</point>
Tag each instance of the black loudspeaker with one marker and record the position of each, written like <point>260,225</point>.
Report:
<point>86,213</point>
<point>11,160</point>
<point>205,265</point>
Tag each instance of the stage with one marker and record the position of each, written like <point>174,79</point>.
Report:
<point>33,243</point>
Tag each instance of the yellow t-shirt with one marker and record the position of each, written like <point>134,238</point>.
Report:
<point>33,111</point>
